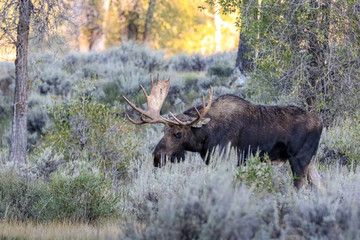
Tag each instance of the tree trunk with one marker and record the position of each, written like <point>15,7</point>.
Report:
<point>19,123</point>
<point>148,20</point>
<point>132,28</point>
<point>243,63</point>
<point>98,39</point>
<point>316,52</point>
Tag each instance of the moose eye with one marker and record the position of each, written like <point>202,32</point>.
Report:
<point>178,135</point>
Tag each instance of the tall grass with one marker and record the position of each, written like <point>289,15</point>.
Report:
<point>193,201</point>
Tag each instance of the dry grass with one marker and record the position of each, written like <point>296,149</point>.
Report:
<point>18,230</point>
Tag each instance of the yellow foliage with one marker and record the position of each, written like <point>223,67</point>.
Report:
<point>179,26</point>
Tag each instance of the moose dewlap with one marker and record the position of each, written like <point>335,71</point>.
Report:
<point>283,132</point>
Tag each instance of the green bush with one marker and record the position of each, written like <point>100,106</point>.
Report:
<point>257,172</point>
<point>84,129</point>
<point>81,192</point>
<point>112,93</point>
<point>5,121</point>
<point>344,140</point>
<point>20,197</point>
<point>220,71</point>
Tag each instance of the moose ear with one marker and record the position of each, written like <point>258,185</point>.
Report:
<point>201,122</point>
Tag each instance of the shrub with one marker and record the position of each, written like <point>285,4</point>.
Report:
<point>343,141</point>
<point>187,63</point>
<point>111,93</point>
<point>84,129</point>
<point>222,59</point>
<point>20,196</point>
<point>45,162</point>
<point>5,121</point>
<point>257,172</point>
<point>80,192</point>
<point>198,62</point>
<point>50,77</point>
<point>54,81</point>
<point>220,71</point>
<point>37,118</point>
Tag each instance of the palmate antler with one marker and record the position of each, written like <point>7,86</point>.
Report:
<point>155,100</point>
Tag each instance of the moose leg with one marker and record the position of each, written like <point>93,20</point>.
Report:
<point>314,177</point>
<point>298,171</point>
<point>299,166</point>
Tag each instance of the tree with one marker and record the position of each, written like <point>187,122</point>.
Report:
<point>18,19</point>
<point>148,19</point>
<point>243,62</point>
<point>129,15</point>
<point>306,49</point>
<point>92,17</point>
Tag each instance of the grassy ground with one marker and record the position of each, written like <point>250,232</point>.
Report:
<point>18,230</point>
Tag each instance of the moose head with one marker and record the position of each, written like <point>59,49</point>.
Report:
<point>180,132</point>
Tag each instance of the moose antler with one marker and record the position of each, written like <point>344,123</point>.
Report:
<point>155,100</point>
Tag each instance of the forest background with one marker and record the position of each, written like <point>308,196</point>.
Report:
<point>87,167</point>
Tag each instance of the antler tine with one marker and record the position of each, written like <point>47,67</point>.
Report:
<point>133,121</point>
<point>200,115</point>
<point>152,81</point>
<point>144,90</point>
<point>178,122</point>
<point>132,105</point>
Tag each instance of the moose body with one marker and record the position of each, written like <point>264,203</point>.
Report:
<point>283,132</point>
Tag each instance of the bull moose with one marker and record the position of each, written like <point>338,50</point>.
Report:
<point>283,132</point>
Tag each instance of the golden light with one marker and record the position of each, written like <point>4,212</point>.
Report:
<point>7,53</point>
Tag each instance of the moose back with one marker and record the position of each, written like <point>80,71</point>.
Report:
<point>283,132</point>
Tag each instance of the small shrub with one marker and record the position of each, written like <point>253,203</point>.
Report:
<point>192,95</point>
<point>257,172</point>
<point>50,77</point>
<point>220,71</point>
<point>81,192</point>
<point>131,53</point>
<point>187,63</point>
<point>344,140</point>
<point>5,121</point>
<point>198,62</point>
<point>112,93</point>
<point>222,59</point>
<point>20,196</point>
<point>190,80</point>
<point>37,118</point>
<point>85,129</point>
<point>181,62</point>
<point>45,162</point>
